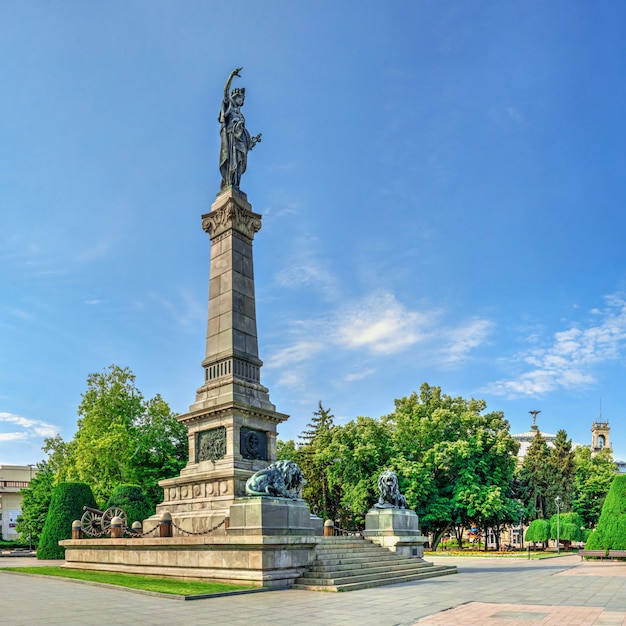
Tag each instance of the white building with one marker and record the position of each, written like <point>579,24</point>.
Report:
<point>13,478</point>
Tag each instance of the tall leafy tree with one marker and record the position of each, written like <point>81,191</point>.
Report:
<point>35,504</point>
<point>455,460</point>
<point>314,461</point>
<point>561,471</point>
<point>121,438</point>
<point>536,476</point>
<point>592,480</point>
<point>359,451</point>
<point>286,450</point>
<point>161,448</point>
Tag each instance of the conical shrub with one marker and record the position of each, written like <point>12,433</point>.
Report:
<point>133,501</point>
<point>610,533</point>
<point>66,505</point>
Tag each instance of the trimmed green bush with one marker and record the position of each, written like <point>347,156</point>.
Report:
<point>66,506</point>
<point>133,501</point>
<point>610,533</point>
<point>570,525</point>
<point>538,531</point>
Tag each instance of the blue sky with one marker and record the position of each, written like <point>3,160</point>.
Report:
<point>441,185</point>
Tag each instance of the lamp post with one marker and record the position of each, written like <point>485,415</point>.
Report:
<point>557,501</point>
<point>521,529</point>
<point>30,531</point>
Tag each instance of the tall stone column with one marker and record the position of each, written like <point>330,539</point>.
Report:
<point>232,423</point>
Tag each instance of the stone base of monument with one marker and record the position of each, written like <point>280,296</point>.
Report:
<point>395,529</point>
<point>269,542</point>
<point>264,561</point>
<point>270,516</point>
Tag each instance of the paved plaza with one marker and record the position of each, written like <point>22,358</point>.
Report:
<point>486,591</point>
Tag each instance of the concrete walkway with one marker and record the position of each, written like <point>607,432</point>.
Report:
<point>489,592</point>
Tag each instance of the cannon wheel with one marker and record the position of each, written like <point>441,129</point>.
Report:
<point>90,523</point>
<point>109,514</point>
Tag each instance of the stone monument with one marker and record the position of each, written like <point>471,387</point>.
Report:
<point>390,523</point>
<point>222,530</point>
<point>232,423</point>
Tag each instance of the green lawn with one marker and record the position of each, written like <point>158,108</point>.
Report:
<point>133,581</point>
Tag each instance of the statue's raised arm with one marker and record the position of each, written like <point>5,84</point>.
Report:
<point>234,73</point>
<point>235,138</point>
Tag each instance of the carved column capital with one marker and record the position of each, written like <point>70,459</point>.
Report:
<point>231,211</point>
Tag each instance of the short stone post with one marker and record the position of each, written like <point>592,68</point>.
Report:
<point>117,528</point>
<point>165,524</point>
<point>137,528</point>
<point>77,531</point>
<point>329,528</point>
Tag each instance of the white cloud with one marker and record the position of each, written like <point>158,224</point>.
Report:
<point>359,375</point>
<point>380,324</point>
<point>13,436</point>
<point>306,274</point>
<point>377,325</point>
<point>460,341</point>
<point>300,351</point>
<point>30,428</point>
<point>568,360</point>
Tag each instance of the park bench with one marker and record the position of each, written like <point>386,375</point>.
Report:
<point>594,554</point>
<point>617,554</point>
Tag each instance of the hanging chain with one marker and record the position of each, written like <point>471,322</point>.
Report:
<point>132,533</point>
<point>128,531</point>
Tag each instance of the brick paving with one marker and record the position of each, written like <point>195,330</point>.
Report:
<point>482,613</point>
<point>486,592</point>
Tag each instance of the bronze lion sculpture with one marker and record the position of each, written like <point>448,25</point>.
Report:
<point>281,479</point>
<point>390,496</point>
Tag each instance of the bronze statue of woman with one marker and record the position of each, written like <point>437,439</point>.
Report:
<point>235,138</point>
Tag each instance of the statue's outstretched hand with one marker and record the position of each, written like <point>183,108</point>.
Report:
<point>236,71</point>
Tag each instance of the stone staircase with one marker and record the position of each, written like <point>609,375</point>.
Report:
<point>349,563</point>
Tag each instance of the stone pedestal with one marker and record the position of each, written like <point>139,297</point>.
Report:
<point>270,516</point>
<point>395,529</point>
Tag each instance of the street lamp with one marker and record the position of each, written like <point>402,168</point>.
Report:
<point>558,501</point>
<point>30,532</point>
<point>521,529</point>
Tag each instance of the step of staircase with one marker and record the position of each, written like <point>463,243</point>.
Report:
<point>350,563</point>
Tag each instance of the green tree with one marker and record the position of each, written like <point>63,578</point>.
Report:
<point>568,526</point>
<point>593,476</point>
<point>560,474</point>
<point>535,475</point>
<point>610,533</point>
<point>161,448</point>
<point>455,461</point>
<point>286,450</point>
<point>66,505</point>
<point>314,461</point>
<point>35,504</point>
<point>357,454</point>
<point>121,438</point>
<point>538,531</point>
<point>133,501</point>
